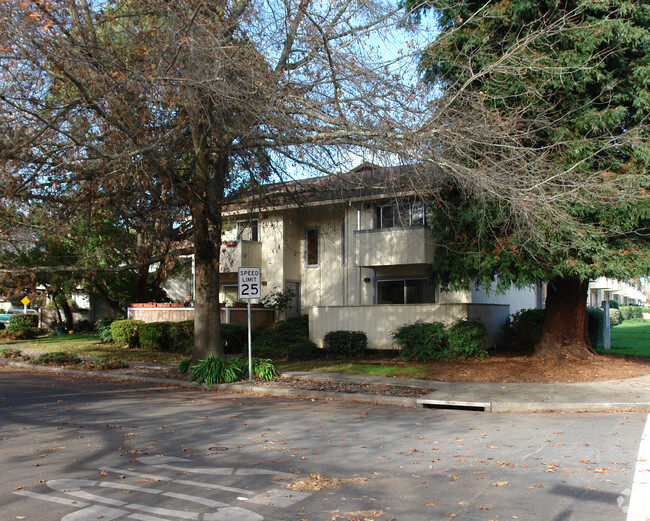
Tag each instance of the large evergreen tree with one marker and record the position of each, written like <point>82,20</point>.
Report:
<point>575,77</point>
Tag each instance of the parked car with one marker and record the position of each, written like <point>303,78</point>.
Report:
<point>4,317</point>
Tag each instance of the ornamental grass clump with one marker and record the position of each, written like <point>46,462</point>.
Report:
<point>215,370</point>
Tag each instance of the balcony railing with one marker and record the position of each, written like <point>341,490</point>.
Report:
<point>393,246</point>
<point>240,253</point>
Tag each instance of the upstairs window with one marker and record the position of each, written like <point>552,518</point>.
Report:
<point>402,215</point>
<point>241,230</point>
<point>312,246</point>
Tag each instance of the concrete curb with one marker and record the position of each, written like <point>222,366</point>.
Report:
<point>238,388</point>
<point>444,395</point>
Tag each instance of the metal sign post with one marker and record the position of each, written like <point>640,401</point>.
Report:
<point>249,286</point>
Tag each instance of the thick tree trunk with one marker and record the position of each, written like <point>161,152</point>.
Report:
<point>565,332</point>
<point>207,199</point>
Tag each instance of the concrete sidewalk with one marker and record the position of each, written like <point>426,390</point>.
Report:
<point>630,394</point>
<point>618,395</point>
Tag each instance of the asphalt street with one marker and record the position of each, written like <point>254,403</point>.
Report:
<point>81,449</point>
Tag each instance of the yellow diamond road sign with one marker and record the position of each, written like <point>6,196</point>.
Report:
<point>25,301</point>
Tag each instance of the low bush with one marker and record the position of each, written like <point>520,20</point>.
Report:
<point>347,344</point>
<point>521,332</point>
<point>626,313</point>
<point>303,349</point>
<point>104,364</point>
<point>184,365</point>
<point>421,341</point>
<point>466,340</point>
<point>21,333</point>
<point>214,370</point>
<point>59,358</point>
<point>615,317</point>
<point>276,340</point>
<point>23,320</point>
<point>125,332</point>
<point>631,312</point>
<point>596,318</point>
<point>636,312</point>
<point>7,352</point>
<point>154,335</point>
<point>235,338</point>
<point>103,327</point>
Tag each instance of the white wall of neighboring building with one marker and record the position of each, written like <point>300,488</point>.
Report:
<point>518,299</point>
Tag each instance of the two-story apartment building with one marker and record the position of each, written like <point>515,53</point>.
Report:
<point>354,248</point>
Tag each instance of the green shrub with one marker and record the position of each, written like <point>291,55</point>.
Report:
<point>596,319</point>
<point>615,317</point>
<point>214,370</point>
<point>275,341</point>
<point>184,365</point>
<point>21,333</point>
<point>466,340</point>
<point>521,331</point>
<point>235,338</point>
<point>613,304</point>
<point>20,320</point>
<point>125,332</point>
<point>421,341</point>
<point>345,343</point>
<point>59,358</point>
<point>303,349</point>
<point>264,369</point>
<point>154,335</point>
<point>636,312</point>
<point>181,336</point>
<point>103,327</point>
<point>7,352</point>
<point>105,364</point>
<point>626,312</point>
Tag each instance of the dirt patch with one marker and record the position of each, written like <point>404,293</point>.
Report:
<point>525,369</point>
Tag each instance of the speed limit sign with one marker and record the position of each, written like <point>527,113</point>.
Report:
<point>250,283</point>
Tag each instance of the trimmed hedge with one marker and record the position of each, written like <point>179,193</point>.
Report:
<point>176,337</point>
<point>154,335</point>
<point>125,332</point>
<point>285,339</point>
<point>615,317</point>
<point>596,318</point>
<point>631,312</point>
<point>20,333</point>
<point>346,343</point>
<point>466,340</point>
<point>20,320</point>
<point>421,341</point>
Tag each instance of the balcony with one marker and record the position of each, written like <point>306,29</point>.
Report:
<point>240,253</point>
<point>393,246</point>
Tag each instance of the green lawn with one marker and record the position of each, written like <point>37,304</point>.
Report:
<point>88,344</point>
<point>631,338</point>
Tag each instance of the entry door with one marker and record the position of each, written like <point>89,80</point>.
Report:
<point>293,309</point>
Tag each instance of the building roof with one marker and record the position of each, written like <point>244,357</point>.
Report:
<point>367,181</point>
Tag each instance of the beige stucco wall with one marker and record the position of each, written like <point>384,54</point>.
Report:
<point>378,322</point>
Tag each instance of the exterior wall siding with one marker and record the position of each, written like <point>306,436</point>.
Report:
<point>378,322</point>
